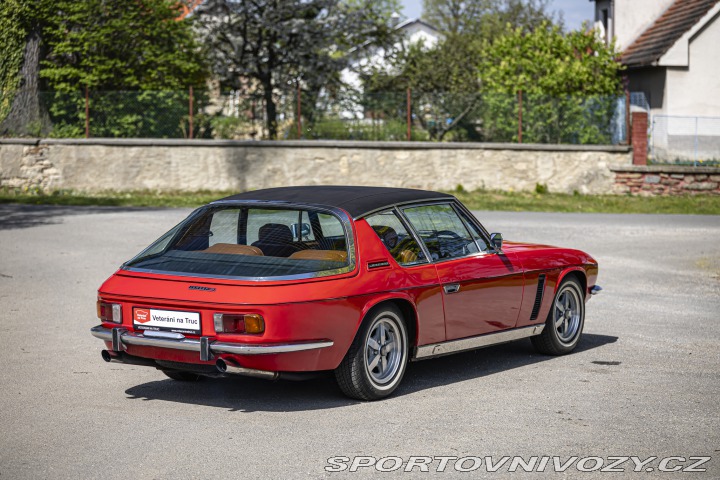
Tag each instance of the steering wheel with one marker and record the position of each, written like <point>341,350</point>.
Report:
<point>450,243</point>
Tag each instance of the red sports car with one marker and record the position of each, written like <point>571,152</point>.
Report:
<point>284,282</point>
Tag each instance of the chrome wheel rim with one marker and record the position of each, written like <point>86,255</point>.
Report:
<point>384,350</point>
<point>567,314</point>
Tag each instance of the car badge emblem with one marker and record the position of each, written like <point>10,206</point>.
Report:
<point>204,289</point>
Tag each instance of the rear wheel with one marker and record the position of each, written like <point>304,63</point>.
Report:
<point>182,376</point>
<point>375,364</point>
<point>565,321</point>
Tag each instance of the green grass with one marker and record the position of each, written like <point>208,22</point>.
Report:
<point>560,202</point>
<point>477,200</point>
<point>109,198</point>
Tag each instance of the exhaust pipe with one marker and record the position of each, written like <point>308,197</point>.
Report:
<point>229,367</point>
<point>122,357</point>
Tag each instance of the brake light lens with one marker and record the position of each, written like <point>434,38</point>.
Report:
<point>238,323</point>
<point>109,312</point>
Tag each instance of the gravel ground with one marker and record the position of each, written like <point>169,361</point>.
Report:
<point>644,382</point>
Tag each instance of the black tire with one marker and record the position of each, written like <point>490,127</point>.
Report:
<point>182,376</point>
<point>565,322</point>
<point>366,373</point>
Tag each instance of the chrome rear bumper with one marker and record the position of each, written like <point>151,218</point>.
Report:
<point>204,345</point>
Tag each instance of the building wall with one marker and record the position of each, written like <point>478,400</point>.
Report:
<point>696,90</point>
<point>633,17</point>
<point>124,165</point>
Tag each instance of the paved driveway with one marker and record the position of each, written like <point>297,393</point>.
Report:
<point>645,381</point>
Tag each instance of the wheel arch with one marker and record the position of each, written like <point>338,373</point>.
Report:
<point>407,309</point>
<point>577,273</point>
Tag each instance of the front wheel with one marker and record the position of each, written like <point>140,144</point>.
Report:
<point>375,364</point>
<point>565,321</point>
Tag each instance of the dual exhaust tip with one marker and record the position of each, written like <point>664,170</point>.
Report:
<point>223,366</point>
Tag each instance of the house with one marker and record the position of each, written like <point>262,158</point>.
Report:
<point>671,49</point>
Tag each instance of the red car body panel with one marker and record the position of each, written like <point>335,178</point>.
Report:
<point>496,292</point>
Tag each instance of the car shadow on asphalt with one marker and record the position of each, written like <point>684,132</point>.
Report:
<point>243,394</point>
<point>16,216</point>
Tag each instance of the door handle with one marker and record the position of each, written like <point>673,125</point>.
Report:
<point>451,288</point>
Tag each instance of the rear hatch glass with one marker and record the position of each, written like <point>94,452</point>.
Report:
<point>253,242</point>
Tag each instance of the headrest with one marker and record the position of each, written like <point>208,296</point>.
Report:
<point>388,235</point>
<point>275,233</point>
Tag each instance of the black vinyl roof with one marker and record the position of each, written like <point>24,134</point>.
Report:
<point>357,201</point>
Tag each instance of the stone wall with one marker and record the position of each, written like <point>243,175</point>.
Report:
<point>667,180</point>
<point>189,165</point>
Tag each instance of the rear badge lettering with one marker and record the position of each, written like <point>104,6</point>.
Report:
<point>204,289</point>
<point>380,264</point>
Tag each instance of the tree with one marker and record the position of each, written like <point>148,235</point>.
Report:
<point>104,45</point>
<point>274,45</point>
<point>569,83</point>
<point>486,19</point>
<point>121,45</point>
<point>444,82</point>
<point>22,26</point>
<point>447,90</point>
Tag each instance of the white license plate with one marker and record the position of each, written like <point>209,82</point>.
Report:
<point>168,320</point>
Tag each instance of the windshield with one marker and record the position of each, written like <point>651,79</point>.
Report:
<point>252,242</point>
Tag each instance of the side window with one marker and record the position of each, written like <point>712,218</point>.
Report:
<point>401,245</point>
<point>223,227</point>
<point>330,226</point>
<point>279,220</point>
<point>475,231</point>
<point>442,231</point>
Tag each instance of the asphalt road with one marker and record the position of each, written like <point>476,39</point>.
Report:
<point>644,382</point>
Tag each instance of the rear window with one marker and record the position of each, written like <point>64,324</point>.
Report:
<point>252,242</point>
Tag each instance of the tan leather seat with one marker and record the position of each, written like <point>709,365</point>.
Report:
<point>233,249</point>
<point>407,256</point>
<point>327,255</point>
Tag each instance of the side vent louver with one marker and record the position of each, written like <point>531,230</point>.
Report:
<point>538,297</point>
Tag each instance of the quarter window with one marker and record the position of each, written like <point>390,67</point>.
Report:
<point>442,231</point>
<point>393,234</point>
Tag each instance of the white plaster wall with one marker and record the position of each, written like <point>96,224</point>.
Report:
<point>695,90</point>
<point>633,17</point>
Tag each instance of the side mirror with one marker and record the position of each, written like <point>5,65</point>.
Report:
<point>496,239</point>
<point>300,230</point>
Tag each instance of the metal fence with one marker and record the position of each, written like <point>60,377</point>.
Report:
<point>342,115</point>
<point>685,140</point>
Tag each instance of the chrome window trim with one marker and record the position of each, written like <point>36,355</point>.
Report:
<point>341,214</point>
<point>410,231</point>
<point>409,202</point>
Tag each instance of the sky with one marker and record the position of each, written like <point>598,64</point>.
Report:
<point>574,11</point>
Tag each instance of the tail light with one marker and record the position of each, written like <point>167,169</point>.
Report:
<point>238,323</point>
<point>109,312</point>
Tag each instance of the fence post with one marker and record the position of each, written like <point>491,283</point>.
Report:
<point>696,143</point>
<point>519,116</point>
<point>299,113</point>
<point>640,137</point>
<point>628,136</point>
<point>87,112</point>
<point>190,106</point>
<point>409,116</point>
